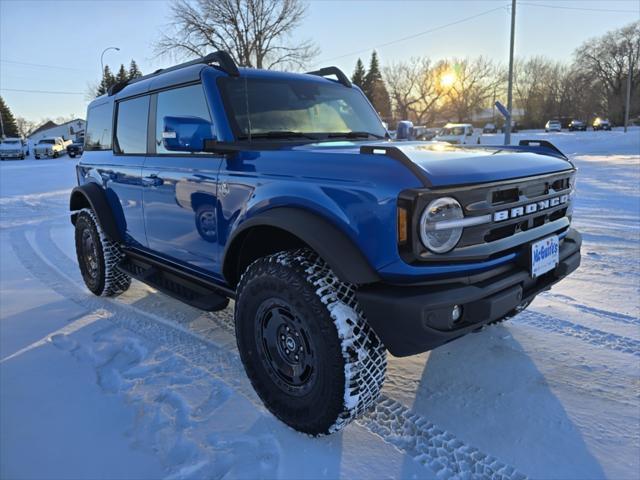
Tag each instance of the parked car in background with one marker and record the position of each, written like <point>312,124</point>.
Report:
<point>424,133</point>
<point>75,149</point>
<point>13,148</point>
<point>51,147</point>
<point>458,134</point>
<point>577,125</point>
<point>490,128</point>
<point>601,124</point>
<point>553,126</point>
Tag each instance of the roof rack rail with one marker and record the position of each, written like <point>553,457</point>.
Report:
<point>223,59</point>
<point>326,71</point>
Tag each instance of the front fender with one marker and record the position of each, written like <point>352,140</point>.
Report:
<point>327,240</point>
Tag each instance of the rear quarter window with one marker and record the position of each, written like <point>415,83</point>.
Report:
<point>131,126</point>
<point>99,127</point>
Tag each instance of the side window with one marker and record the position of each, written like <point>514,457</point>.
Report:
<point>180,102</point>
<point>99,121</point>
<point>131,126</point>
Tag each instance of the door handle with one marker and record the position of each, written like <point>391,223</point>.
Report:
<point>152,181</point>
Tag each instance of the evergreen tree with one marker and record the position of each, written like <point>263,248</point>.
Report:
<point>359,74</point>
<point>373,74</point>
<point>376,90</point>
<point>8,124</point>
<point>122,75</point>
<point>108,80</point>
<point>134,71</point>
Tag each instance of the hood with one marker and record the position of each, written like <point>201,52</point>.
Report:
<point>444,164</point>
<point>10,146</point>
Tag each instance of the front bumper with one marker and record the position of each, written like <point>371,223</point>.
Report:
<point>11,154</point>
<point>414,319</point>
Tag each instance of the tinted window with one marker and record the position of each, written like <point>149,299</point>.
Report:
<point>180,102</point>
<point>281,105</point>
<point>99,120</point>
<point>131,127</point>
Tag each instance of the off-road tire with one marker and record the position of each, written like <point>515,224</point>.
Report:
<point>98,263</point>
<point>350,359</point>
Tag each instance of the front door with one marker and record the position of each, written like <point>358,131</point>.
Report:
<point>180,189</point>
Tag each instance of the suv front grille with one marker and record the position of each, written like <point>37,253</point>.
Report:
<point>479,200</point>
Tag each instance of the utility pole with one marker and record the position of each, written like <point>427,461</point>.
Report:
<point>1,126</point>
<point>507,131</point>
<point>628,102</point>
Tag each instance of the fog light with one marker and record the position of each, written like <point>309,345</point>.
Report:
<point>456,313</point>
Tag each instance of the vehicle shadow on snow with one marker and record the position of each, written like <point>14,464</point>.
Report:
<point>487,390</point>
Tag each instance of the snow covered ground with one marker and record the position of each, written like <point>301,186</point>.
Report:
<point>145,387</point>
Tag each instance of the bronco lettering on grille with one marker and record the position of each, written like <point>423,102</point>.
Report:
<point>530,208</point>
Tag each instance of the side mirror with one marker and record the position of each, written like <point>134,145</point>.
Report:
<point>404,130</point>
<point>186,134</point>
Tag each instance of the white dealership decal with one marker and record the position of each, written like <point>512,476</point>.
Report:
<point>530,208</point>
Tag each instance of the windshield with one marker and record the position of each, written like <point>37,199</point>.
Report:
<point>452,131</point>
<point>283,108</point>
<point>47,140</point>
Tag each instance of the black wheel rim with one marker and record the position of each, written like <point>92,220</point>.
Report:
<point>208,223</point>
<point>90,253</point>
<point>286,348</point>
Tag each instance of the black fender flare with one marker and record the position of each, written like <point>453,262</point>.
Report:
<point>95,196</point>
<point>327,240</point>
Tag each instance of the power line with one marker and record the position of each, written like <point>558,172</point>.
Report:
<point>582,9</point>
<point>411,37</point>
<point>41,91</point>
<point>42,65</point>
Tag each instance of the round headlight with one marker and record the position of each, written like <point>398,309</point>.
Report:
<point>435,234</point>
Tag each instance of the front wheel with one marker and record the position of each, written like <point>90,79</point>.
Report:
<point>72,155</point>
<point>98,257</point>
<point>37,157</point>
<point>305,344</point>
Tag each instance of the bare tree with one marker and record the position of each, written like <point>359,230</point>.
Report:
<point>413,87</point>
<point>256,33</point>
<point>473,86</point>
<point>24,126</point>
<point>608,60</point>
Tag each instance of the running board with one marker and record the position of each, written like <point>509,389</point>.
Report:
<point>174,283</point>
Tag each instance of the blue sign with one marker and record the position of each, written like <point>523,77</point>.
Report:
<point>503,110</point>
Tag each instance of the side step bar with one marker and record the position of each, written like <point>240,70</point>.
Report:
<point>176,283</point>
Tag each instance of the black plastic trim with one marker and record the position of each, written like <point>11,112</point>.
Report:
<point>93,194</point>
<point>326,71</point>
<point>414,319</point>
<point>327,240</point>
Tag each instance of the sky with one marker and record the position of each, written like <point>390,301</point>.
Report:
<point>54,46</point>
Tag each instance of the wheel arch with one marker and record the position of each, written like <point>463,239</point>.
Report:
<point>92,196</point>
<point>285,228</point>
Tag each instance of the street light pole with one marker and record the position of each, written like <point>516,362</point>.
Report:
<point>628,101</point>
<point>507,131</point>
<point>102,57</point>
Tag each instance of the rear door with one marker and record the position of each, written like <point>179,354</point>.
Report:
<point>114,160</point>
<point>180,188</point>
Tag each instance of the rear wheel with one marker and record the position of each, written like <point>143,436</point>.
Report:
<point>98,257</point>
<point>305,344</point>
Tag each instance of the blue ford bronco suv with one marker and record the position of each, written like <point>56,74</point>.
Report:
<point>283,192</point>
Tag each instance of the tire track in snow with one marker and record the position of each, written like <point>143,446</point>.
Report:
<point>599,338</point>
<point>393,422</point>
<point>598,312</point>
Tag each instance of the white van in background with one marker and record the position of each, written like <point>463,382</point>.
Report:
<point>459,134</point>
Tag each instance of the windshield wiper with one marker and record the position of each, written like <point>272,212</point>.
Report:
<point>354,135</point>
<point>276,134</point>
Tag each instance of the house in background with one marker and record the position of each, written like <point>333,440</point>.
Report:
<point>68,131</point>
